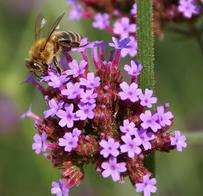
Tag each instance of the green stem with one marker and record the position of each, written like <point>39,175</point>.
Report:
<point>146,53</point>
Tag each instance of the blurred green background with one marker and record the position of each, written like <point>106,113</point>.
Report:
<point>179,73</point>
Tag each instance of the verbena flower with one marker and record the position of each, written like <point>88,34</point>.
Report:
<point>59,189</point>
<point>67,116</point>
<point>188,8</point>
<point>113,168</point>
<point>39,144</point>
<point>147,186</point>
<point>131,92</point>
<point>128,127</point>
<point>179,141</point>
<point>131,145</point>
<point>69,141</point>
<point>149,120</point>
<point>101,21</point>
<point>99,118</point>
<point>109,147</point>
<point>123,27</point>
<point>54,107</point>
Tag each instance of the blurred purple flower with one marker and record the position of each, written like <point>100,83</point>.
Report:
<point>131,145</point>
<point>109,147</point>
<point>130,92</point>
<point>101,21</point>
<point>179,141</point>
<point>123,27</point>
<point>59,189</point>
<point>133,11</point>
<point>147,186</point>
<point>113,169</point>
<point>188,8</point>
<point>76,12</point>
<point>39,144</point>
<point>149,121</point>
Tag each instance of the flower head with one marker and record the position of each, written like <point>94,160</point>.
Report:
<point>113,169</point>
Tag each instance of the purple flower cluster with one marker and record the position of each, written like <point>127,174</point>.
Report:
<point>117,23</point>
<point>102,119</point>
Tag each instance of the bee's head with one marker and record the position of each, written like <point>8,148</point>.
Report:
<point>36,66</point>
<point>32,65</point>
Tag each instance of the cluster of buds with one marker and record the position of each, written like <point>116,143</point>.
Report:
<point>123,13</point>
<point>100,118</point>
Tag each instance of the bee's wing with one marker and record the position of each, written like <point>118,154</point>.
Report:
<point>39,24</point>
<point>53,28</point>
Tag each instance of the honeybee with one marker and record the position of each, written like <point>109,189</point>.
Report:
<point>46,51</point>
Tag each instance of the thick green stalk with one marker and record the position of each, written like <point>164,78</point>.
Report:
<point>146,52</point>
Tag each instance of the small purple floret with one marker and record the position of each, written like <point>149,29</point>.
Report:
<point>109,147</point>
<point>147,186</point>
<point>179,141</point>
<point>113,169</point>
<point>149,121</point>
<point>130,92</point>
<point>39,144</point>
<point>59,189</point>
<point>131,145</point>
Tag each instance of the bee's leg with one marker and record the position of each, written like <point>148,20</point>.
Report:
<point>58,68</point>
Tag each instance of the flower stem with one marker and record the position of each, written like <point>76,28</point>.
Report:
<point>146,53</point>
